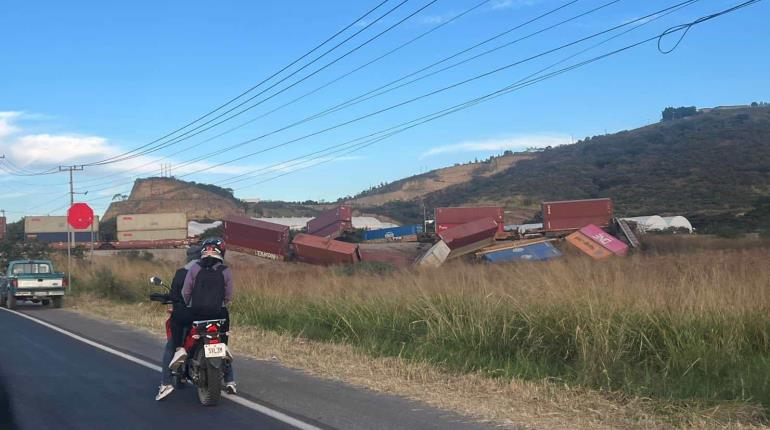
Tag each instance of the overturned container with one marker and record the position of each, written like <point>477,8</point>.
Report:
<point>255,237</point>
<point>435,256</point>
<point>534,252</point>
<point>606,240</point>
<point>588,246</point>
<point>332,223</point>
<point>470,237</point>
<point>447,218</point>
<point>323,250</point>
<point>574,214</point>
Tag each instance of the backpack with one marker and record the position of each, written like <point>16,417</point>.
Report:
<point>208,293</point>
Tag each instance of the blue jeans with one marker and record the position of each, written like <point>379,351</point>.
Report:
<point>168,354</point>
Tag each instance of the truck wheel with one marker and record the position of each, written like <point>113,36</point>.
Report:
<point>46,302</point>
<point>10,300</point>
<point>2,300</point>
<point>57,302</point>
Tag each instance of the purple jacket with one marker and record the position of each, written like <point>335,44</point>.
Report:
<point>189,283</point>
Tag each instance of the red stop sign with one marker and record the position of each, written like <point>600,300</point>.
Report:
<point>80,216</point>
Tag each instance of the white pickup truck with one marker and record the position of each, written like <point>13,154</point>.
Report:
<point>32,280</point>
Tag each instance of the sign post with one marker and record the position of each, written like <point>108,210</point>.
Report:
<point>79,216</point>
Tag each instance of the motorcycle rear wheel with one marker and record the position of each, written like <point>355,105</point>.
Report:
<point>210,382</point>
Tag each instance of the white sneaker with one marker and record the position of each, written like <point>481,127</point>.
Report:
<point>178,359</point>
<point>164,391</point>
<point>230,388</point>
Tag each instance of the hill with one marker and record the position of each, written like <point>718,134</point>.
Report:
<point>713,167</point>
<point>159,195</point>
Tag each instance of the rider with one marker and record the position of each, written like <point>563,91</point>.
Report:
<point>207,290</point>
<point>175,295</point>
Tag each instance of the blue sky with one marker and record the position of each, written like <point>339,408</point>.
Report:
<point>84,81</point>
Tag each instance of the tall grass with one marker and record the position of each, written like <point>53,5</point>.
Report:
<point>679,327</point>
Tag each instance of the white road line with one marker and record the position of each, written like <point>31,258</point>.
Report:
<point>280,416</point>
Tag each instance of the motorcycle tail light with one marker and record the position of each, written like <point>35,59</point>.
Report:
<point>212,329</point>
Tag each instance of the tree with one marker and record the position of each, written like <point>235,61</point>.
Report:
<point>754,104</point>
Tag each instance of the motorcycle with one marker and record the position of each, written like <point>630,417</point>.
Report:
<point>207,354</point>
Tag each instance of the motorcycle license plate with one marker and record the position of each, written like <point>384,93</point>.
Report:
<point>217,350</point>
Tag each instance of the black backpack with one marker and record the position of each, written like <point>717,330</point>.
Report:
<point>208,293</point>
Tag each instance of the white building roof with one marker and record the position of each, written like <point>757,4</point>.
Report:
<point>298,223</point>
<point>678,221</point>
<point>649,223</point>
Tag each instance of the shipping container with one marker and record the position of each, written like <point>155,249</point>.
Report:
<point>535,252</point>
<point>393,233</point>
<point>608,241</point>
<point>2,227</point>
<point>53,224</point>
<point>321,250</point>
<point>51,237</point>
<point>588,246</point>
<point>435,256</point>
<point>164,221</point>
<point>394,258</point>
<point>334,230</point>
<point>175,234</point>
<point>261,238</point>
<point>322,222</point>
<point>447,218</point>
<point>575,214</point>
<point>481,232</point>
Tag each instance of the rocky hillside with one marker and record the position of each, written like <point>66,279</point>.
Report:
<point>713,167</point>
<point>158,195</point>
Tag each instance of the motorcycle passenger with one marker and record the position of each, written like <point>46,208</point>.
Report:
<point>175,295</point>
<point>207,290</point>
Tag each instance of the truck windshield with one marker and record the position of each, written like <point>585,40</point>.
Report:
<point>31,268</point>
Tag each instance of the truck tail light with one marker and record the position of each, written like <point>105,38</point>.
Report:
<point>14,283</point>
<point>65,282</point>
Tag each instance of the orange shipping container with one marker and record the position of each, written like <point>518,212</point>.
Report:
<point>588,246</point>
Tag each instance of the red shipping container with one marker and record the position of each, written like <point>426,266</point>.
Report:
<point>264,239</point>
<point>327,218</point>
<point>334,230</point>
<point>321,250</point>
<point>397,259</point>
<point>608,241</point>
<point>480,231</point>
<point>447,218</point>
<point>576,214</point>
<point>2,227</point>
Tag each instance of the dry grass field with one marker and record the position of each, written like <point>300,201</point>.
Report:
<point>674,337</point>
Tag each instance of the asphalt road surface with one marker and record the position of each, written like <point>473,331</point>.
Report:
<point>73,372</point>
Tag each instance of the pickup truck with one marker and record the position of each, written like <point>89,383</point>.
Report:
<point>33,280</point>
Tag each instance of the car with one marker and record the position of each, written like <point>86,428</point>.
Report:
<point>32,280</point>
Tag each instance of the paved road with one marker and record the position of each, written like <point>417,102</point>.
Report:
<point>55,381</point>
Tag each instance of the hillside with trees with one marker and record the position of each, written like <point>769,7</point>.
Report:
<point>713,167</point>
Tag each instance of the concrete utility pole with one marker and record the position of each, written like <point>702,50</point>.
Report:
<point>70,234</point>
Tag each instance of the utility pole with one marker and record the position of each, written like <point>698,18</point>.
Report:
<point>70,234</point>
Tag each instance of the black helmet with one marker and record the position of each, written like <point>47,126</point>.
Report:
<point>213,247</point>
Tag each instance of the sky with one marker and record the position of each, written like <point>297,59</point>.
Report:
<point>91,81</point>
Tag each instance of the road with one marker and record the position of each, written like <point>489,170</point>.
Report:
<point>82,373</point>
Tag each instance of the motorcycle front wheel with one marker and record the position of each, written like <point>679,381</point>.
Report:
<point>210,382</point>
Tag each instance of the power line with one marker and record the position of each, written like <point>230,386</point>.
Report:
<point>297,60</point>
<point>520,85</point>
<point>187,135</point>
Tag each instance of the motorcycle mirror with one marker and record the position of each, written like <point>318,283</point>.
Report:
<point>156,280</point>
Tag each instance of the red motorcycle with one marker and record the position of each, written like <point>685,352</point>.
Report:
<point>207,354</point>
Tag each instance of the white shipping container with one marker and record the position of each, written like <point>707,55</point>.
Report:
<point>167,221</point>
<point>52,224</point>
<point>173,234</point>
